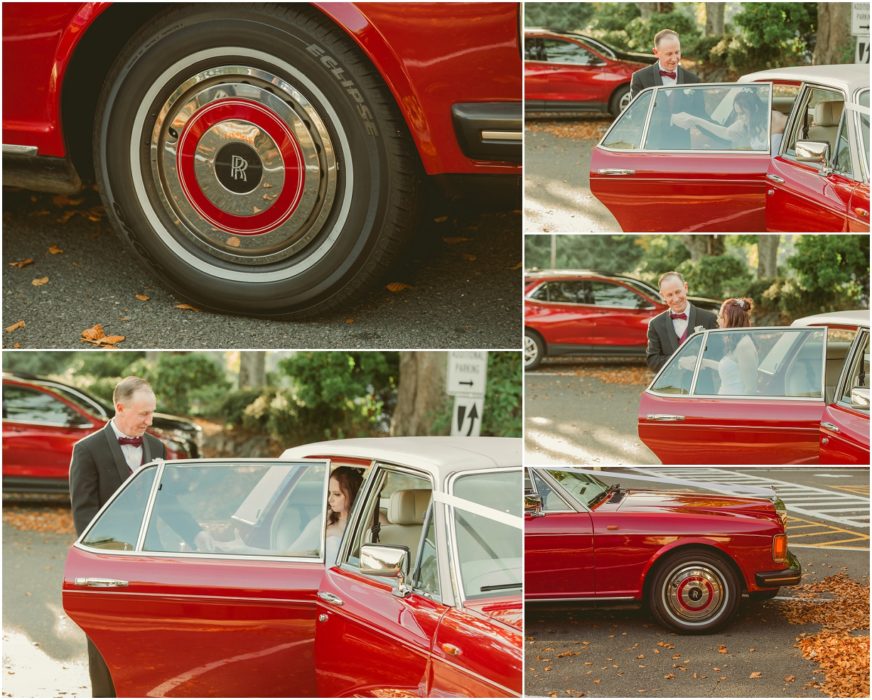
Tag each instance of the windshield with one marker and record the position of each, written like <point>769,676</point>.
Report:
<point>584,488</point>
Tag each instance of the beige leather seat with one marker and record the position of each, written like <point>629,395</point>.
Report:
<point>827,116</point>
<point>405,518</point>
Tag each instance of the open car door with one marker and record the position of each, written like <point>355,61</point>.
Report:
<point>738,396</point>
<point>844,436</point>
<point>687,158</point>
<point>199,578</point>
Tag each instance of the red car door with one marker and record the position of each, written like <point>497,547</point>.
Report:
<point>691,414</point>
<point>558,555</point>
<point>170,620</point>
<point>653,175</point>
<point>559,70</point>
<point>844,436</point>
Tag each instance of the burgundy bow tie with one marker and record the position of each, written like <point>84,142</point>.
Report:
<point>135,441</point>
<point>681,315</point>
<point>669,74</point>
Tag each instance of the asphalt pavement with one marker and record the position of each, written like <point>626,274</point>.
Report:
<point>557,197</point>
<point>574,650</point>
<point>460,287</point>
<point>573,416</point>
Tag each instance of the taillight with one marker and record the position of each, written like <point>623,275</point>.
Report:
<point>779,548</point>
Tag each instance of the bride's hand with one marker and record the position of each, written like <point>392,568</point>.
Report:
<point>683,120</point>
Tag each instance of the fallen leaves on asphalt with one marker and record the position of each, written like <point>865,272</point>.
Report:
<point>640,376</point>
<point>96,335</point>
<point>841,647</point>
<point>571,129</point>
<point>39,517</point>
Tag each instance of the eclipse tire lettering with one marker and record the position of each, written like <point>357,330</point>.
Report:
<point>240,142</point>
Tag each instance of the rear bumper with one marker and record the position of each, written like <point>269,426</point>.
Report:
<point>784,577</point>
<point>489,130</point>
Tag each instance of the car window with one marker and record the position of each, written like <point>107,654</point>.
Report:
<point>245,508</point>
<point>393,514</point>
<point>864,130</point>
<point>489,539</point>
<point>819,114</point>
<point>425,578</point>
<point>533,49</point>
<point>24,405</point>
<point>791,362</point>
<point>616,296</point>
<point>677,376</point>
<point>627,130</point>
<point>565,292</point>
<point>710,118</point>
<point>842,155</point>
<point>552,502</point>
<point>858,372</point>
<point>86,403</point>
<point>567,52</point>
<point>584,488</point>
<point>117,528</point>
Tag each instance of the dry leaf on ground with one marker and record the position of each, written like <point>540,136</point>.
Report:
<point>39,281</point>
<point>62,200</point>
<point>186,307</point>
<point>53,249</point>
<point>398,286</point>
<point>39,518</point>
<point>142,297</point>
<point>21,263</point>
<point>95,332</point>
<point>575,130</point>
<point>15,326</point>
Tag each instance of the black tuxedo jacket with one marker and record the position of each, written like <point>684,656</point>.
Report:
<point>662,341</point>
<point>650,77</point>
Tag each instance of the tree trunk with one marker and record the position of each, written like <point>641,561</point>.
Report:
<point>647,9</point>
<point>421,392</point>
<point>714,18</point>
<point>701,245</point>
<point>833,32</point>
<point>252,369</point>
<point>767,256</point>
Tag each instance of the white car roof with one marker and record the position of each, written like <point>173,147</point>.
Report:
<point>440,456</point>
<point>848,77</point>
<point>859,317</point>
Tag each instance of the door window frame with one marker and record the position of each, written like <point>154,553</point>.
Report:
<point>852,363</point>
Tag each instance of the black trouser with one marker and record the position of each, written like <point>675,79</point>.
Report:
<point>101,681</point>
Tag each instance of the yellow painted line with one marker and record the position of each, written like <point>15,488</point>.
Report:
<point>828,531</point>
<point>853,539</point>
<point>862,490</point>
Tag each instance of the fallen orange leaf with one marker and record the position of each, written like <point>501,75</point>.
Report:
<point>15,326</point>
<point>398,286</point>
<point>722,649</point>
<point>186,307</point>
<point>142,297</point>
<point>95,332</point>
<point>756,674</point>
<point>54,249</point>
<point>21,263</point>
<point>61,200</point>
<point>39,281</point>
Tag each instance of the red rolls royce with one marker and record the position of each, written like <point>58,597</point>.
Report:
<point>44,418</point>
<point>579,312</point>
<point>794,395</point>
<point>262,159</point>
<point>688,556</point>
<point>571,73</point>
<point>420,596</point>
<point>782,150</point>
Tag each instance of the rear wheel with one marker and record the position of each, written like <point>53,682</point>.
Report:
<point>620,99</point>
<point>694,592</point>
<point>255,160</point>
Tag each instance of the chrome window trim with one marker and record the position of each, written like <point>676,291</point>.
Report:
<point>557,486</point>
<point>48,424</point>
<point>852,361</point>
<point>631,290</point>
<point>568,503</point>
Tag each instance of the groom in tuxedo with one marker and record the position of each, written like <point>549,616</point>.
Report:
<point>101,463</point>
<point>667,331</point>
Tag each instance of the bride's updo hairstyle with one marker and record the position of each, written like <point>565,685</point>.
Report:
<point>737,313</point>
<point>349,480</point>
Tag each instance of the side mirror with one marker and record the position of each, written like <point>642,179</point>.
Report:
<point>860,398</point>
<point>533,505</point>
<point>817,152</point>
<point>387,560</point>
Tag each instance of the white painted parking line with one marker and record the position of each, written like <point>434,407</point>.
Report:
<point>847,509</point>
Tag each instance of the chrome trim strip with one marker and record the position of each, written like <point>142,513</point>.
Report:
<point>502,135</point>
<point>149,508</point>
<point>577,600</point>
<point>15,150</point>
<point>193,596</point>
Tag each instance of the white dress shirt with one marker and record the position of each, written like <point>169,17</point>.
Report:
<point>132,454</point>
<point>680,324</point>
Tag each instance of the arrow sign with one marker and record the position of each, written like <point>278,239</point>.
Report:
<point>467,373</point>
<point>467,416</point>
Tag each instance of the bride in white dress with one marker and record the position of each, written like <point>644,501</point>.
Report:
<point>737,369</point>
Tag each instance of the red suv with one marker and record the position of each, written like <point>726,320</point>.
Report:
<point>266,159</point>
<point>43,419</point>
<point>567,73</point>
<point>578,312</point>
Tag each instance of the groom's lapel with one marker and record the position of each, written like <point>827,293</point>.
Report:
<point>691,318</point>
<point>670,332</point>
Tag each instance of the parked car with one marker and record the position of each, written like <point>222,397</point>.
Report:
<point>571,73</point>
<point>427,576</point>
<point>580,312</point>
<point>689,557</point>
<point>262,159</point>
<point>611,52</point>
<point>43,419</point>
<point>807,401</point>
<point>654,176</point>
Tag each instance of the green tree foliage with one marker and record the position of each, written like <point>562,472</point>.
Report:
<point>660,254</point>
<point>40,364</point>
<point>617,254</point>
<point>832,272</point>
<point>716,276</point>
<point>558,16</point>
<point>186,383</point>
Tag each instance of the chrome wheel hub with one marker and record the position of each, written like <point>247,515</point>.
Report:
<point>694,593</point>
<point>244,163</point>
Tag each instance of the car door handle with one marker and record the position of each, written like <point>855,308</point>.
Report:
<point>100,582</point>
<point>330,598</point>
<point>615,171</point>
<point>664,417</point>
<point>830,426</point>
<point>774,178</point>
<point>862,213</point>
